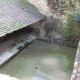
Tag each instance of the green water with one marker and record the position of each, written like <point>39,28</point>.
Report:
<point>54,60</point>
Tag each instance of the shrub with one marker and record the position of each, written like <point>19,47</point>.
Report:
<point>48,27</point>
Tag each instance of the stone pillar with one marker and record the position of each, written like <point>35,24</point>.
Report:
<point>42,31</point>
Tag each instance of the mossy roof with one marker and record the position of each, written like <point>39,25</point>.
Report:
<point>16,14</point>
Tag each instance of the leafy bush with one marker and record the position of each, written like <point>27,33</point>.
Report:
<point>48,27</point>
<point>72,28</point>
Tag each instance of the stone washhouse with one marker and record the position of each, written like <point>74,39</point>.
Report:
<point>17,14</point>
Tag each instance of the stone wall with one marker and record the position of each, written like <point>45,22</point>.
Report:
<point>76,68</point>
<point>60,41</point>
<point>38,28</point>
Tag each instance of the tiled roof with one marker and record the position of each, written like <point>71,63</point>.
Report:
<point>16,14</point>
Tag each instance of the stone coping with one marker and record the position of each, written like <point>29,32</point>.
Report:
<point>76,68</point>
<point>59,41</point>
<point>8,54</point>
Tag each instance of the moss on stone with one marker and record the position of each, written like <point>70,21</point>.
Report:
<point>20,47</point>
<point>15,25</point>
<point>34,7</point>
<point>79,47</point>
<point>10,1</point>
<point>23,1</point>
<point>25,44</point>
<point>31,5</point>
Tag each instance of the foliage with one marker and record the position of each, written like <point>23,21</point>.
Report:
<point>69,28</point>
<point>70,2</point>
<point>48,27</point>
<point>25,44</point>
<point>51,16</point>
<point>20,48</point>
<point>72,28</point>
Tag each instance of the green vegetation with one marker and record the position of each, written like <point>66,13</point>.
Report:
<point>25,44</point>
<point>34,7</point>
<point>51,16</point>
<point>26,2</point>
<point>71,30</point>
<point>20,47</point>
<point>15,25</point>
<point>23,1</point>
<point>19,68</point>
<point>10,1</point>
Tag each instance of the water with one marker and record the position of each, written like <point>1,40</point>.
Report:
<point>42,61</point>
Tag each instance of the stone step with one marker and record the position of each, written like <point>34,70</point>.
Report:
<point>4,57</point>
<point>8,54</point>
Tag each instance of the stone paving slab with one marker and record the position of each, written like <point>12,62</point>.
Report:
<point>5,56</point>
<point>8,54</point>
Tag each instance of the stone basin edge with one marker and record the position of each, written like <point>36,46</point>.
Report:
<point>4,57</point>
<point>76,69</point>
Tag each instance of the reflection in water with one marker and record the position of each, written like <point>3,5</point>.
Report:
<point>44,76</point>
<point>42,61</point>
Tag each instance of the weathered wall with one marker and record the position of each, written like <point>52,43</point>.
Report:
<point>76,68</point>
<point>38,28</point>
